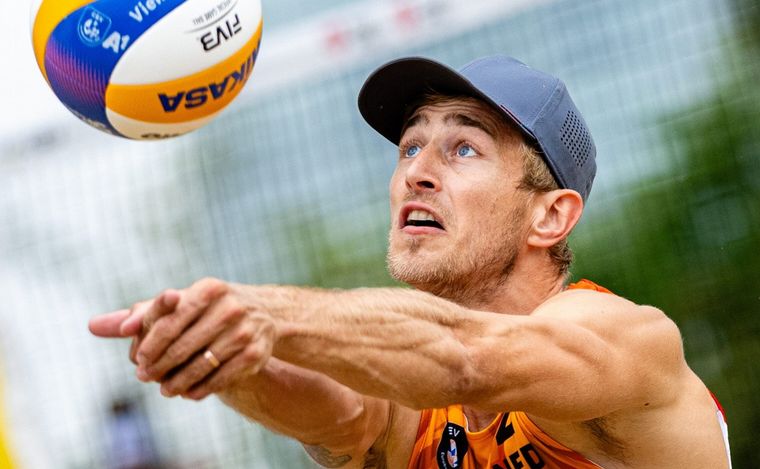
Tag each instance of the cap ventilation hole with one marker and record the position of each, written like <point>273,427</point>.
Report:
<point>576,138</point>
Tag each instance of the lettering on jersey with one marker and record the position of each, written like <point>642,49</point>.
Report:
<point>526,457</point>
<point>506,430</point>
<point>452,447</point>
<point>142,9</point>
<point>197,97</point>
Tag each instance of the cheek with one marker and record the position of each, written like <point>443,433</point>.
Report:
<point>395,179</point>
<point>487,208</point>
<point>397,191</point>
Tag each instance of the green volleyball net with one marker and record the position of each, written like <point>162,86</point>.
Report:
<point>290,186</point>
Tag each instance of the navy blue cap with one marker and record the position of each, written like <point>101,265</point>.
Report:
<point>536,102</point>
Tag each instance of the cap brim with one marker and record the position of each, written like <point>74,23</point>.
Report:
<point>392,88</point>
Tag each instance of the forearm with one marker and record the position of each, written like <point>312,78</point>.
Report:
<point>304,405</point>
<point>398,344</point>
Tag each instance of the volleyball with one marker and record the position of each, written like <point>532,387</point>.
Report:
<point>146,69</point>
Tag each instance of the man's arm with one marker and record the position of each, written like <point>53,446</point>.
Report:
<point>578,356</point>
<point>337,426</point>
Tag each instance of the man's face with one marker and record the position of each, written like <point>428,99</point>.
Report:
<point>457,217</point>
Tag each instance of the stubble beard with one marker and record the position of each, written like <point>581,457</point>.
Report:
<point>468,274</point>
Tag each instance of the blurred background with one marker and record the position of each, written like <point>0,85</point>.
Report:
<point>289,185</point>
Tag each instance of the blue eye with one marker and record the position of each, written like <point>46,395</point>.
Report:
<point>412,151</point>
<point>466,151</point>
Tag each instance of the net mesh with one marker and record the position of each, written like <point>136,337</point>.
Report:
<point>291,187</point>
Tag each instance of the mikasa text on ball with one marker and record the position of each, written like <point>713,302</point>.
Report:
<point>146,69</point>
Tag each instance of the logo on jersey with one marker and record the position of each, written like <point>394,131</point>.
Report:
<point>452,447</point>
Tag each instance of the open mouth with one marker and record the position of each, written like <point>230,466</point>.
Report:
<point>419,217</point>
<point>422,218</point>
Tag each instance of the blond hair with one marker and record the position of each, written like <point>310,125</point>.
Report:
<point>537,179</point>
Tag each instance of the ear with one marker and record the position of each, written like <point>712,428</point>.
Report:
<point>555,214</point>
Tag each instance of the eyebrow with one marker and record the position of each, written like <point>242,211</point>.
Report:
<point>455,117</point>
<point>416,119</point>
<point>467,121</point>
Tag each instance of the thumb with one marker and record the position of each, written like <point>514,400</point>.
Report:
<point>109,324</point>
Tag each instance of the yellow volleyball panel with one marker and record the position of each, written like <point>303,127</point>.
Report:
<point>190,98</point>
<point>6,459</point>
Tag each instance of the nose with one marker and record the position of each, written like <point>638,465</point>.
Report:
<point>424,171</point>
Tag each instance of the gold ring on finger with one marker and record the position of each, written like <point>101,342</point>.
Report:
<point>211,358</point>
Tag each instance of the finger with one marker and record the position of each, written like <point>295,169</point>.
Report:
<point>128,327</point>
<point>208,331</point>
<point>163,331</point>
<point>223,348</point>
<point>133,349</point>
<point>193,372</point>
<point>248,362</point>
<point>109,324</point>
<point>135,345</point>
<point>146,313</point>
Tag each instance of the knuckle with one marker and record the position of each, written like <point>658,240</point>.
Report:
<point>173,353</point>
<point>242,336</point>
<point>139,308</point>
<point>168,327</point>
<point>204,282</point>
<point>232,313</point>
<point>252,354</point>
<point>196,374</point>
<point>162,333</point>
<point>211,288</point>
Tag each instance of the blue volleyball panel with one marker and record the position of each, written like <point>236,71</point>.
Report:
<point>85,47</point>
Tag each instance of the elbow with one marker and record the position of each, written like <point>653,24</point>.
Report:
<point>344,434</point>
<point>479,375</point>
<point>453,379</point>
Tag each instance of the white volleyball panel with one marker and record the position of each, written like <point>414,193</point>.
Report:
<point>195,36</point>
<point>140,130</point>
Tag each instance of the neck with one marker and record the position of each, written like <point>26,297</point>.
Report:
<point>521,293</point>
<point>528,283</point>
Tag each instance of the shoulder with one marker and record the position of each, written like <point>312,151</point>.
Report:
<point>601,310</point>
<point>641,337</point>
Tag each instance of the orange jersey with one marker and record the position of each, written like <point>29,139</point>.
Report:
<point>511,441</point>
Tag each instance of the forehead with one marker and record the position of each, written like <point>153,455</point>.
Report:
<point>462,111</point>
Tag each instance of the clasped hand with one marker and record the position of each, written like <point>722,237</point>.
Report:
<point>172,333</point>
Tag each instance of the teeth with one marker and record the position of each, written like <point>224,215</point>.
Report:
<point>419,215</point>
